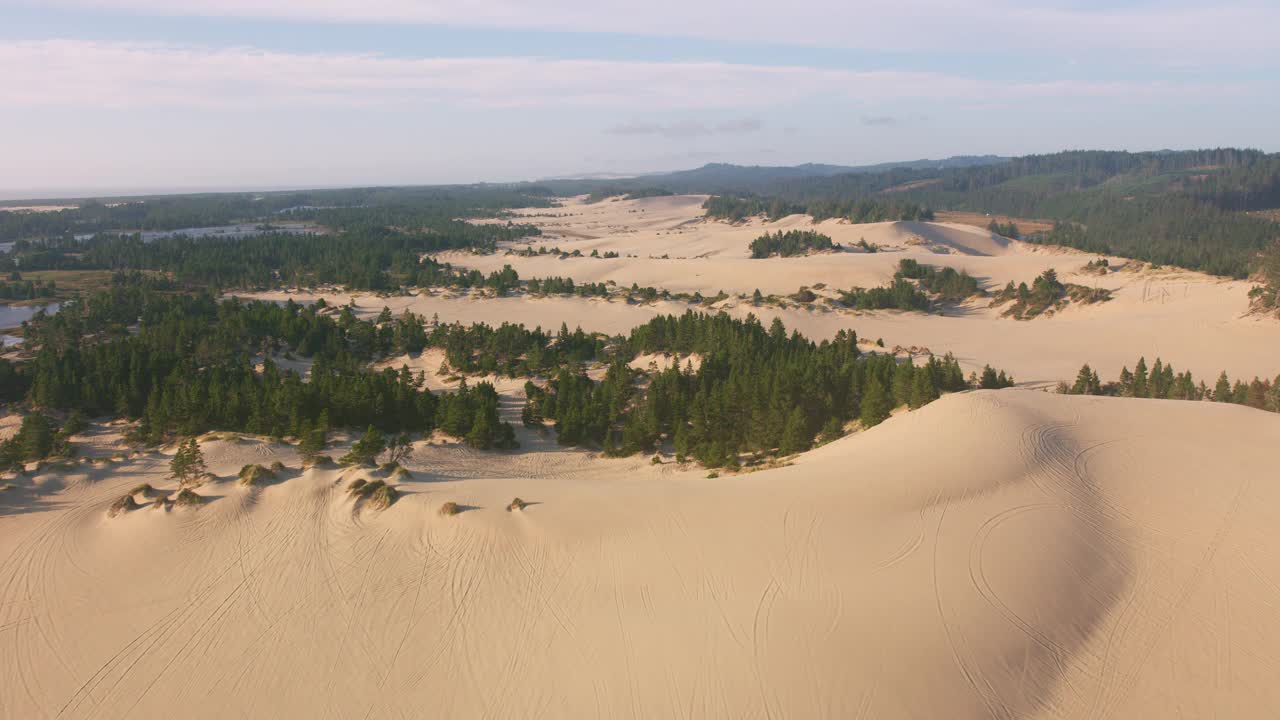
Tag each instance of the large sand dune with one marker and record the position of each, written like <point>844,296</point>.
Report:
<point>996,554</point>
<point>1198,322</point>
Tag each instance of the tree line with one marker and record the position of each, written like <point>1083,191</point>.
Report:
<point>1163,382</point>
<point>739,208</point>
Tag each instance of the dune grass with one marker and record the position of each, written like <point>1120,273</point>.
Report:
<point>144,488</point>
<point>383,497</point>
<point>255,475</point>
<point>187,498</point>
<point>124,504</point>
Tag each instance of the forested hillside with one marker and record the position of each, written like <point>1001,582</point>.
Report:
<point>1186,208</point>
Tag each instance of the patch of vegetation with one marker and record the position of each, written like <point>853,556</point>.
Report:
<point>450,508</point>
<point>144,489</point>
<point>383,497</point>
<point>1098,266</point>
<point>1009,229</point>
<point>790,244</point>
<point>945,283</point>
<point>992,380</point>
<point>1045,296</point>
<point>15,288</point>
<point>255,475</point>
<point>35,440</point>
<point>124,504</point>
<point>516,504</point>
<point>187,498</point>
<point>1266,296</point>
<point>900,294</point>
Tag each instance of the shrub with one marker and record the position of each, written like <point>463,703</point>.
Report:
<point>383,497</point>
<point>187,498</point>
<point>516,504</point>
<point>144,488</point>
<point>124,504</point>
<point>450,508</point>
<point>255,474</point>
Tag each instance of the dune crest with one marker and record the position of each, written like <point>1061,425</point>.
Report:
<point>995,554</point>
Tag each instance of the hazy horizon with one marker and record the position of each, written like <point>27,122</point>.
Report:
<point>115,95</point>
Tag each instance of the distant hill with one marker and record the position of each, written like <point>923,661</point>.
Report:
<point>718,178</point>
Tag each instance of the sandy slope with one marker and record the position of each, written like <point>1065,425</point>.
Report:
<point>996,554</point>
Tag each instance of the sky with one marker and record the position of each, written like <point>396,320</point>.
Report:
<point>154,95</point>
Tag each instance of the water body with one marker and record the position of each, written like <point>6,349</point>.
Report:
<point>12,316</point>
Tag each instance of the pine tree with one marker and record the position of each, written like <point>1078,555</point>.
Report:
<point>876,404</point>
<point>1139,388</point>
<point>795,435</point>
<point>312,442</point>
<point>923,391</point>
<point>903,377</point>
<point>1087,382</point>
<point>482,432</point>
<point>366,449</point>
<point>1222,391</point>
<point>187,464</point>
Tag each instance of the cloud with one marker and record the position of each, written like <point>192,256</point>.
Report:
<point>93,74</point>
<point>686,129</point>
<point>1185,27</point>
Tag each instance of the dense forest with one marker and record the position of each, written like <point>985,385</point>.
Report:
<point>183,364</point>
<point>407,208</point>
<point>755,391</point>
<point>1162,381</point>
<point>374,258</point>
<point>1182,208</point>
<point>737,209</point>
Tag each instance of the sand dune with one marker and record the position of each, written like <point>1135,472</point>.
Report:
<point>996,554</point>
<point>1198,322</point>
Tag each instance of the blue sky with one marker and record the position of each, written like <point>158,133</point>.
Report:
<point>216,94</point>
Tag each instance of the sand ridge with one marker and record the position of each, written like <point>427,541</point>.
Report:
<point>1008,554</point>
